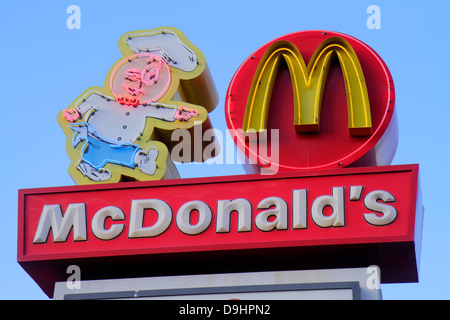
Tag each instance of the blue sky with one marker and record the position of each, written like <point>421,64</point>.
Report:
<point>44,66</point>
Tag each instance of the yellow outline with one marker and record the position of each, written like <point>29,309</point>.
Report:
<point>307,84</point>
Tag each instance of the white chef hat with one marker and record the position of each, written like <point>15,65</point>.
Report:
<point>165,43</point>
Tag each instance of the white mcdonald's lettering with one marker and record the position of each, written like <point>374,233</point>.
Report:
<point>274,216</point>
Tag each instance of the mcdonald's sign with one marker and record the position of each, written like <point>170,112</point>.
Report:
<point>323,100</point>
<point>329,95</point>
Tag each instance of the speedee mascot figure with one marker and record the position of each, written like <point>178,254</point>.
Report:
<point>119,132</point>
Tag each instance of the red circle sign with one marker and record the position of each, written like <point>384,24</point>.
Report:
<point>331,141</point>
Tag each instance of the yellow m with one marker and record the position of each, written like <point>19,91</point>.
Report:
<point>308,83</point>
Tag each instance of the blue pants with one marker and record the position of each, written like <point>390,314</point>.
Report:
<point>98,153</point>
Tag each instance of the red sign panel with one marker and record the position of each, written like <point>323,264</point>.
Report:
<point>296,220</point>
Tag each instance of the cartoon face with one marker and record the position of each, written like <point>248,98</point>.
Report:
<point>139,79</point>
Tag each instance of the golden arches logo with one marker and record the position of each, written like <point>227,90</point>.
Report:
<point>308,83</point>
